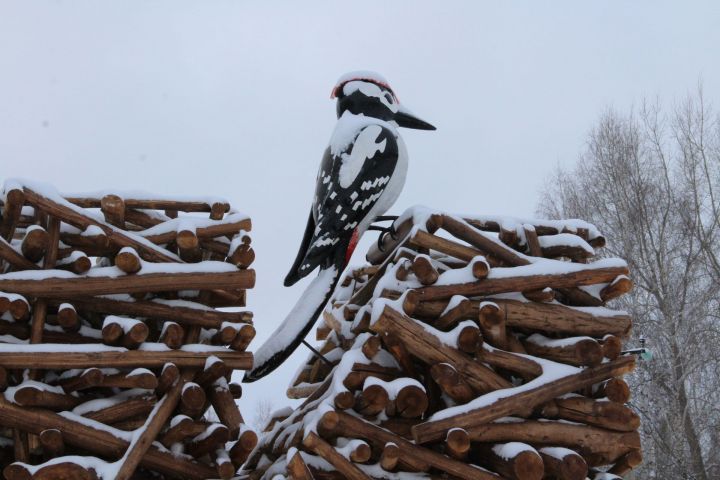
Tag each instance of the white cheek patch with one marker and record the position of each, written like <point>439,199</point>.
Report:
<point>364,148</point>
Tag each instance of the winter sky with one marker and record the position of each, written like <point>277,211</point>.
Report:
<point>231,98</point>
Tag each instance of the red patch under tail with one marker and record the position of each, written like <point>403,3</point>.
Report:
<point>351,246</point>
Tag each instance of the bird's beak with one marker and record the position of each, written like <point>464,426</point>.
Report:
<point>405,118</point>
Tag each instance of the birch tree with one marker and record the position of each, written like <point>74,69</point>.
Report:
<point>650,180</point>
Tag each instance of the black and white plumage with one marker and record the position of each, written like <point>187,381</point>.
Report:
<point>361,175</point>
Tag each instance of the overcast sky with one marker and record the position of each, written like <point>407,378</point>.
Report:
<point>232,98</point>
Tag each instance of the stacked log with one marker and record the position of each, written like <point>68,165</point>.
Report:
<point>473,348</point>
<point>115,361</point>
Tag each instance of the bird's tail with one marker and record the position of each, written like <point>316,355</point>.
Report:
<point>291,332</point>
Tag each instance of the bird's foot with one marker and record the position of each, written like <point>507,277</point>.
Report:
<point>384,230</point>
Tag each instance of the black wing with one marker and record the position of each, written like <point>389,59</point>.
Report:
<point>337,210</point>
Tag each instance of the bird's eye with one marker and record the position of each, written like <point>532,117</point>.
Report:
<point>389,98</point>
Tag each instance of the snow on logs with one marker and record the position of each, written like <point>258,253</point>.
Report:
<point>474,348</point>
<point>112,350</point>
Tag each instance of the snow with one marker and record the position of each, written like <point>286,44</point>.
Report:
<point>557,452</point>
<point>190,223</point>
<point>59,348</point>
<point>364,148</point>
<point>142,195</point>
<point>544,341</point>
<point>347,128</point>
<point>126,323</point>
<point>565,239</point>
<point>359,75</point>
<point>511,450</point>
<point>551,371</point>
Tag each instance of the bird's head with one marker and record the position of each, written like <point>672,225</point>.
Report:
<point>368,93</point>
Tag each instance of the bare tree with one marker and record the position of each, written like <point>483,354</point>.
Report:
<point>262,414</point>
<point>651,183</point>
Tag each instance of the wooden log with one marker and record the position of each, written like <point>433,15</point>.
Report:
<point>605,414</point>
<point>241,449</point>
<point>52,443</point>
<point>181,428</point>
<point>186,313</point>
<point>360,452</point>
<point>192,399</point>
<point>411,402</point>
<point>371,347</point>
<point>167,378</point>
<point>225,407</point>
<point>557,319</point>
<point>480,267</point>
<point>588,276</point>
<point>457,444</point>
<point>53,471</point>
<point>514,460</point>
<point>372,400</point>
<point>483,243</point>
<point>242,257</point>
<point>523,366</point>
<point>214,437</point>
<point>469,339</point>
<point>67,318</point>
<point>611,346</point>
<point>453,314</point>
<point>389,457</point>
<point>172,335</point>
<point>213,371</point>
<point>297,468</point>
<point>14,258</point>
<point>413,456</point>
<point>451,383</point>
<point>563,463</point>
<point>244,336</point>
<point>578,351</point>
<point>492,324</point>
<point>154,282</point>
<point>20,310</point>
<point>128,260</point>
<point>618,287</point>
<point>529,398</point>
<point>132,407</point>
<point>615,390</point>
<point>542,295</point>
<point>327,452</point>
<point>44,358</point>
<point>35,243</point>
<point>14,201</point>
<point>426,346</point>
<point>89,378</point>
<point>3,379</point>
<point>531,237</point>
<point>223,464</point>
<point>31,396</point>
<point>424,270</point>
<point>113,208</point>
<point>429,241</point>
<point>627,462</point>
<point>72,216</point>
<point>139,378</point>
<point>598,446</point>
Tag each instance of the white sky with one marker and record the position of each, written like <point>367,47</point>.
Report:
<point>232,98</point>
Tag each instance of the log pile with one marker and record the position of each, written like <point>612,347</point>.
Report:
<point>472,348</point>
<point>115,361</point>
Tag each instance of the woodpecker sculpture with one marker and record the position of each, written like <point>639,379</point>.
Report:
<point>361,175</point>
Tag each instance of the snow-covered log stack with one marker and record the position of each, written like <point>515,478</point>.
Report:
<point>469,347</point>
<point>115,362</point>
